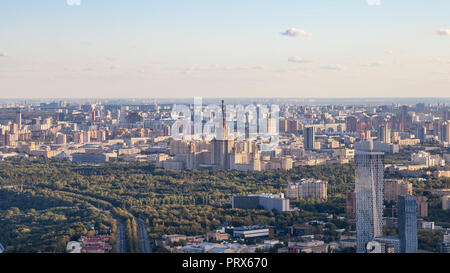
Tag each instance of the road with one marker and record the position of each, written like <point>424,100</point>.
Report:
<point>121,245</point>
<point>120,240</point>
<point>144,242</point>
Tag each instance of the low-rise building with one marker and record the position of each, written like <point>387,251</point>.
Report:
<point>217,236</point>
<point>252,232</point>
<point>266,201</point>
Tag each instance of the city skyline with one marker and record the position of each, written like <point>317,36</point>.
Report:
<point>230,49</point>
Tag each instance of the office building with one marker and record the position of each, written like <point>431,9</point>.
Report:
<point>309,138</point>
<point>421,133</point>
<point>266,201</point>
<point>252,232</point>
<point>407,223</point>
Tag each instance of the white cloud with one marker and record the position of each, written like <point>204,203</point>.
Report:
<point>336,67</point>
<point>373,2</point>
<point>73,2</point>
<point>443,32</point>
<point>299,60</point>
<point>293,32</point>
<point>4,54</point>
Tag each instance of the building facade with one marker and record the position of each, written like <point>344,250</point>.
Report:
<point>266,201</point>
<point>369,197</point>
<point>394,187</point>
<point>407,223</point>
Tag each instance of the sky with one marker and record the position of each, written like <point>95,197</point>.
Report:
<point>224,48</point>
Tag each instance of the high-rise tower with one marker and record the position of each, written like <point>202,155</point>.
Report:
<point>369,174</point>
<point>221,146</point>
<point>19,119</point>
<point>407,223</point>
<point>309,138</point>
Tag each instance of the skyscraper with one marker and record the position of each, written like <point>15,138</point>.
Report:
<point>445,131</point>
<point>407,223</point>
<point>309,138</point>
<point>19,119</point>
<point>405,117</point>
<point>421,133</point>
<point>369,195</point>
<point>384,133</point>
<point>221,145</point>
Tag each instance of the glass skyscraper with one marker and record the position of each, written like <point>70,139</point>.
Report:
<point>407,223</point>
<point>369,175</point>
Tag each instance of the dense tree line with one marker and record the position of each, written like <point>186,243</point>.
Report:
<point>187,202</point>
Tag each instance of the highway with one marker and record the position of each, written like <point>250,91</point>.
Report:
<point>121,246</point>
<point>144,243</point>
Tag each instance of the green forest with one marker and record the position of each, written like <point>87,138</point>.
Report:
<point>54,200</point>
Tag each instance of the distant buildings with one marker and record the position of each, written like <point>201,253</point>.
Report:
<point>350,204</point>
<point>384,245</point>
<point>309,138</point>
<point>407,223</point>
<point>426,160</point>
<point>377,146</point>
<point>313,246</point>
<point>206,247</point>
<point>395,187</point>
<point>384,133</point>
<point>445,245</point>
<point>266,201</point>
<point>445,132</point>
<point>91,158</point>
<point>90,244</point>
<point>19,119</point>
<point>307,188</point>
<point>446,202</point>
<point>252,232</point>
<point>442,173</point>
<point>422,206</point>
<point>61,139</point>
<point>369,196</point>
<point>217,235</point>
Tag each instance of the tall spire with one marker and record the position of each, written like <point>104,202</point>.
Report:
<point>224,123</point>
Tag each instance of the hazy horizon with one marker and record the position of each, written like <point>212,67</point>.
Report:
<point>215,48</point>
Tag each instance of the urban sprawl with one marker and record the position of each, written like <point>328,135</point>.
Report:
<point>397,201</point>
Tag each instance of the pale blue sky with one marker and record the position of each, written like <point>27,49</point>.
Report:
<point>224,48</point>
